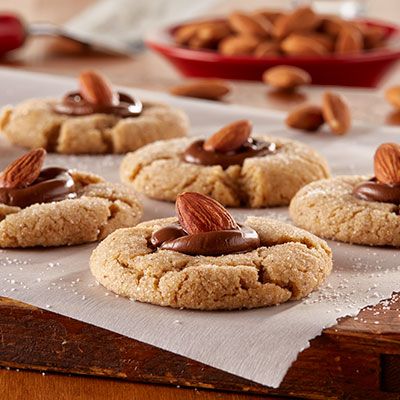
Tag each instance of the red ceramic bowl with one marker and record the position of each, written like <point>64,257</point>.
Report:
<point>362,69</point>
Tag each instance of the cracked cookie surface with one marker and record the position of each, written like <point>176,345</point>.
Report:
<point>289,265</point>
<point>100,208</point>
<point>158,171</point>
<point>33,124</point>
<point>328,209</point>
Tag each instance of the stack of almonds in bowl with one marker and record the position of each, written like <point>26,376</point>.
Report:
<point>300,32</point>
<point>334,111</point>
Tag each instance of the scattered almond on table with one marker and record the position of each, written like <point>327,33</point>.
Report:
<point>286,77</point>
<point>307,117</point>
<point>393,96</point>
<point>209,89</point>
<point>263,33</point>
<point>334,111</point>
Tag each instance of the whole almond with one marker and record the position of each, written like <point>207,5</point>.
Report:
<point>238,45</point>
<point>393,96</point>
<point>301,45</point>
<point>349,40</point>
<point>250,25</point>
<point>230,137</point>
<point>286,77</point>
<point>213,32</point>
<point>210,89</point>
<point>322,38</point>
<point>387,163</point>
<point>336,113</point>
<point>267,48</point>
<point>374,36</point>
<point>183,34</point>
<point>198,213</point>
<point>23,171</point>
<point>95,88</point>
<point>305,117</point>
<point>271,15</point>
<point>332,25</point>
<point>302,19</point>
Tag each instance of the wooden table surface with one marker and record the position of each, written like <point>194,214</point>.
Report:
<point>148,71</point>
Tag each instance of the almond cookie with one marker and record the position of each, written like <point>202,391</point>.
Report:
<point>94,120</point>
<point>229,166</point>
<point>205,260</point>
<point>56,206</point>
<point>355,209</point>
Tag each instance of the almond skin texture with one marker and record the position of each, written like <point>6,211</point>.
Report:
<point>230,137</point>
<point>96,89</point>
<point>198,213</point>
<point>286,77</point>
<point>23,171</point>
<point>250,25</point>
<point>305,117</point>
<point>301,45</point>
<point>210,89</point>
<point>302,19</point>
<point>267,48</point>
<point>238,45</point>
<point>350,40</point>
<point>185,33</point>
<point>387,163</point>
<point>336,113</point>
<point>393,96</point>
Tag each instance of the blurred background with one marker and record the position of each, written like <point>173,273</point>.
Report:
<point>126,22</point>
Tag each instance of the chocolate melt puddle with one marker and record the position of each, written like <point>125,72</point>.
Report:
<point>74,104</point>
<point>373,190</point>
<point>215,243</point>
<point>53,184</point>
<point>195,154</point>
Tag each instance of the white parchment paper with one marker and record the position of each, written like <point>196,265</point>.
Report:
<point>259,345</point>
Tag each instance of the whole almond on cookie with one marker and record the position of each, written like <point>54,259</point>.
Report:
<point>96,89</point>
<point>250,25</point>
<point>23,171</point>
<point>210,89</point>
<point>305,117</point>
<point>230,137</point>
<point>387,163</point>
<point>286,77</point>
<point>336,112</point>
<point>198,213</point>
<point>393,96</point>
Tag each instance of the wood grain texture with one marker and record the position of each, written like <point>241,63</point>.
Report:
<point>346,360</point>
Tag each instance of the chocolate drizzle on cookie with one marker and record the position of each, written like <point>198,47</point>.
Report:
<point>205,228</point>
<point>373,190</point>
<point>195,153</point>
<point>49,184</point>
<point>96,96</point>
<point>231,145</point>
<point>385,186</point>
<point>216,243</point>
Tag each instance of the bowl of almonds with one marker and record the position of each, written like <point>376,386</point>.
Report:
<point>243,45</point>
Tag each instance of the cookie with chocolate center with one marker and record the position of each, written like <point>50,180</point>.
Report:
<point>204,259</point>
<point>231,166</point>
<point>355,209</point>
<point>95,119</point>
<point>58,206</point>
